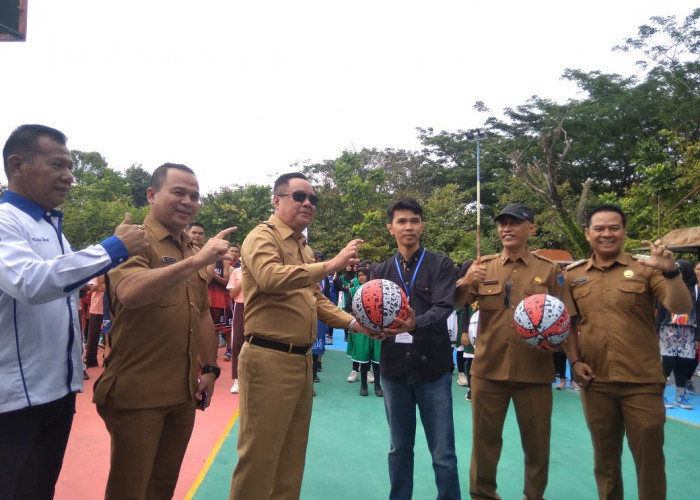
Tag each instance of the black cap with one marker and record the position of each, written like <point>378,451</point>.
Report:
<point>519,211</point>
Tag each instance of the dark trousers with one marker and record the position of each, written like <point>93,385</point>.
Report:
<point>93,338</point>
<point>559,365</point>
<point>237,336</point>
<point>680,368</point>
<point>32,444</point>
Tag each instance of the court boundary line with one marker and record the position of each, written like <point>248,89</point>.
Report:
<point>210,459</point>
<point>680,420</point>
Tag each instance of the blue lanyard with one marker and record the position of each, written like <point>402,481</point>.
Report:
<point>413,279</point>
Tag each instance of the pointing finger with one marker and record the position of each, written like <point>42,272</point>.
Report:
<point>226,232</point>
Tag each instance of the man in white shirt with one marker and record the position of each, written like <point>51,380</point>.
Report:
<point>40,342</point>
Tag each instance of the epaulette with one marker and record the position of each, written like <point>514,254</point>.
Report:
<point>267,223</point>
<point>576,264</point>
<point>486,258</point>
<point>542,257</point>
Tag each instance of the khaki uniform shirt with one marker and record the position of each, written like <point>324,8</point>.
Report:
<point>153,361</point>
<point>500,353</point>
<point>615,309</point>
<point>280,283</point>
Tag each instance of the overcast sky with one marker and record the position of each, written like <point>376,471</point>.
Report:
<point>239,91</point>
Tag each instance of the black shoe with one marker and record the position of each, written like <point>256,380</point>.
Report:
<point>320,368</point>
<point>85,375</point>
<point>316,379</point>
<point>363,390</point>
<point>378,391</point>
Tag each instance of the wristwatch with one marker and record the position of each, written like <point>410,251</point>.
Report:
<point>671,274</point>
<point>211,369</point>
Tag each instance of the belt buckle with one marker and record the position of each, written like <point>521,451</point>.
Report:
<point>291,346</point>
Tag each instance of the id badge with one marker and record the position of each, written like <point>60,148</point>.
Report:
<point>403,338</point>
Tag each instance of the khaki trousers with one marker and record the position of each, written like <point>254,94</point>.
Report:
<point>613,409</point>
<point>275,399</point>
<point>533,410</point>
<point>148,446</point>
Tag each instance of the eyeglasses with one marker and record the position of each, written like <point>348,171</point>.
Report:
<point>301,196</point>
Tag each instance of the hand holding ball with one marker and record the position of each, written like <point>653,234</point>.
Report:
<point>378,303</point>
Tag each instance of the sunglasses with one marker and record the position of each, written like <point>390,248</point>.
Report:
<point>301,196</point>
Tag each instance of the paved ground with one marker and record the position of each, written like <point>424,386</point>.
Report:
<point>346,458</point>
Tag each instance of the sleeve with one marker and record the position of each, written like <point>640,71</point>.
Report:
<point>133,265</point>
<point>329,313</point>
<point>30,278</point>
<point>659,317</point>
<point>265,265</point>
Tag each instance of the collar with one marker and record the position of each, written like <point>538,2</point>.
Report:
<point>161,233</point>
<point>412,260</point>
<point>526,257</point>
<point>27,206</point>
<point>622,259</point>
<point>286,231</point>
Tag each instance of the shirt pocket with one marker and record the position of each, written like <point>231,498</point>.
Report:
<point>490,296</point>
<point>582,296</point>
<point>422,290</point>
<point>632,295</point>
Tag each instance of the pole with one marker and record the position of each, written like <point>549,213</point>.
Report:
<point>477,136</point>
<point>478,201</point>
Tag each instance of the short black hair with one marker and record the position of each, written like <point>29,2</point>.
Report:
<point>24,141</point>
<point>235,245</point>
<point>607,207</point>
<point>404,204</point>
<point>198,224</point>
<point>160,173</point>
<point>283,180</point>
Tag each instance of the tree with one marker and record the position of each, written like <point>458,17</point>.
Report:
<point>241,206</point>
<point>138,181</point>
<point>97,201</point>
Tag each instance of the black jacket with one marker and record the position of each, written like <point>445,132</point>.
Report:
<point>430,355</point>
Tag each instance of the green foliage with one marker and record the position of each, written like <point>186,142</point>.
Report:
<point>628,140</point>
<point>97,201</point>
<point>138,181</point>
<point>240,206</point>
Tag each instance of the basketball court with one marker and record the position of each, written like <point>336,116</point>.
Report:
<point>346,457</point>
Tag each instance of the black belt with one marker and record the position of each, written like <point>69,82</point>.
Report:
<point>278,346</point>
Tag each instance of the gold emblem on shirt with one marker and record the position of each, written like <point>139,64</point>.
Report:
<point>628,274</point>
<point>538,279</point>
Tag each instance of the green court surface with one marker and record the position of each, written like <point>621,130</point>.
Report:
<point>349,440</point>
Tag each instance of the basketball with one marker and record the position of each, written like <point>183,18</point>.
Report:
<point>378,303</point>
<point>542,320</point>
